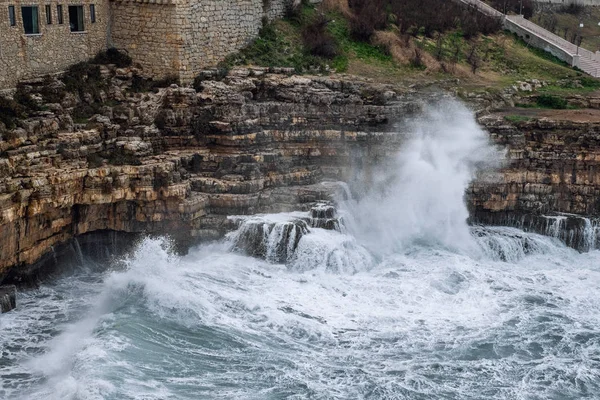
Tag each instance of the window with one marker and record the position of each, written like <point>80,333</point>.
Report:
<point>93,13</point>
<point>11,15</point>
<point>76,18</point>
<point>48,14</point>
<point>30,20</point>
<point>59,14</point>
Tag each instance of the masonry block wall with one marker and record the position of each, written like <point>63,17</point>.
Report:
<point>55,47</point>
<point>182,37</point>
<point>166,37</point>
<point>151,33</point>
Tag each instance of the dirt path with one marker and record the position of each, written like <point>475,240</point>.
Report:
<point>582,115</point>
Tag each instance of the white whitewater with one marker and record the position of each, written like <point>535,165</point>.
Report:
<point>419,196</point>
<point>394,307</point>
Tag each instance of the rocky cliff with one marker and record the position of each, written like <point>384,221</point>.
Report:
<point>179,161</point>
<point>551,178</point>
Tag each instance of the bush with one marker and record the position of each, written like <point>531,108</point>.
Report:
<point>113,56</point>
<point>292,12</point>
<point>10,112</point>
<point>369,16</point>
<point>52,90</point>
<point>549,101</point>
<point>23,97</point>
<point>416,61</point>
<point>317,41</point>
<point>84,78</point>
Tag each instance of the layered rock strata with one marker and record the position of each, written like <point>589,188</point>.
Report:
<point>550,182</point>
<point>179,161</point>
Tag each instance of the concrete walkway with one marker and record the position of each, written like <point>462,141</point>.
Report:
<point>539,37</point>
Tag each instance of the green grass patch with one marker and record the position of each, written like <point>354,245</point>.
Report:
<point>516,118</point>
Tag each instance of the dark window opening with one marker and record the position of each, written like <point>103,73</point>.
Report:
<point>30,20</point>
<point>48,14</point>
<point>93,13</point>
<point>11,15</point>
<point>76,18</point>
<point>59,14</point>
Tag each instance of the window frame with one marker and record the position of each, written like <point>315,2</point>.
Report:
<point>12,15</point>
<point>82,19</point>
<point>93,13</point>
<point>36,31</point>
<point>48,11</point>
<point>59,14</point>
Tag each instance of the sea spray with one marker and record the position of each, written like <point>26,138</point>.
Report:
<point>423,322</point>
<point>419,196</point>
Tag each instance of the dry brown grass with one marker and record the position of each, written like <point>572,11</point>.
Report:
<point>402,49</point>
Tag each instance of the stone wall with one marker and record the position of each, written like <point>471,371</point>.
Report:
<point>538,42</point>
<point>182,37</point>
<point>55,47</point>
<point>152,35</point>
<point>166,37</point>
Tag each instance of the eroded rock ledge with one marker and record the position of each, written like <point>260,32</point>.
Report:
<point>178,161</point>
<point>551,179</point>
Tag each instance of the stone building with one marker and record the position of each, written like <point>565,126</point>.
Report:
<point>41,37</point>
<point>167,37</point>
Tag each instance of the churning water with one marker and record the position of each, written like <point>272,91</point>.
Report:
<point>405,302</point>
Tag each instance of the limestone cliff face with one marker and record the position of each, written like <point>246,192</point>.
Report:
<point>179,162</point>
<point>552,169</point>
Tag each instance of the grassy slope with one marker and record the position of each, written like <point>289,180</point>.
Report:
<point>589,16</point>
<point>505,59</point>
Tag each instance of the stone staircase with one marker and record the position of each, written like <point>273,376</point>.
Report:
<point>536,36</point>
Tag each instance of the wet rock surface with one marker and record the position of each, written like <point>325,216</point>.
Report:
<point>551,176</point>
<point>8,298</point>
<point>179,161</point>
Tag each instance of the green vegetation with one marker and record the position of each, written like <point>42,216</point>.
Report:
<point>564,21</point>
<point>113,56</point>
<point>308,40</point>
<point>351,36</point>
<point>550,101</point>
<point>516,118</point>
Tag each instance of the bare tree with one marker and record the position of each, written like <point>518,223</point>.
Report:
<point>473,57</point>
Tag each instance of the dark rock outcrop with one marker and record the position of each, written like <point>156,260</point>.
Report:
<point>8,298</point>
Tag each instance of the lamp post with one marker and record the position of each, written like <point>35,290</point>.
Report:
<point>579,34</point>
<point>521,8</point>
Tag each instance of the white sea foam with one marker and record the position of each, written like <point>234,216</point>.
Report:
<point>419,196</point>
<point>396,308</point>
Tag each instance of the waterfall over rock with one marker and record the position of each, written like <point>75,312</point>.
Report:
<point>275,237</point>
<point>273,240</point>
<point>8,298</point>
<point>302,241</point>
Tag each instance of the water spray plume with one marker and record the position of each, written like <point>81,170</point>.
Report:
<point>419,197</point>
